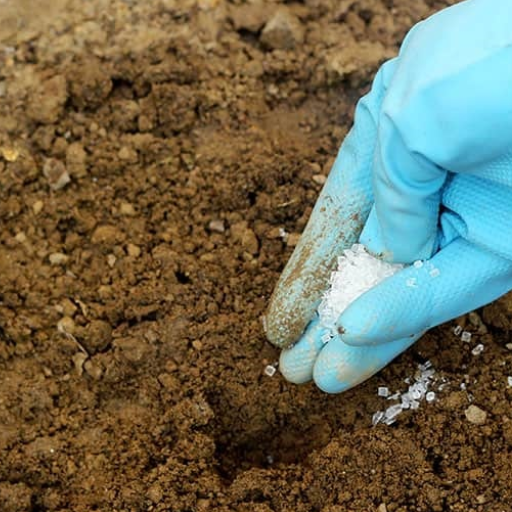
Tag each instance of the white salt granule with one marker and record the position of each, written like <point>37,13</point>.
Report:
<point>457,331</point>
<point>264,323</point>
<point>326,337</point>
<point>357,272</point>
<point>509,382</point>
<point>465,336</point>
<point>478,350</point>
<point>377,417</point>
<point>270,370</point>
<point>430,396</point>
<point>435,272</point>
<point>383,391</point>
<point>283,234</point>
<point>410,399</point>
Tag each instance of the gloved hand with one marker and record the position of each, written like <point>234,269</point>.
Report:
<point>430,156</point>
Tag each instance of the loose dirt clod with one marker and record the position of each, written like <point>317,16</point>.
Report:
<point>475,415</point>
<point>283,31</point>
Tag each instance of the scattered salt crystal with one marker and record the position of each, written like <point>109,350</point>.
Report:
<point>393,411</point>
<point>465,336</point>
<point>435,272</point>
<point>428,373</point>
<point>264,323</point>
<point>415,393</point>
<point>418,264</point>
<point>270,370</point>
<point>406,401</point>
<point>509,381</point>
<point>270,459</point>
<point>457,330</point>
<point>383,391</point>
<point>411,282</point>
<point>410,399</point>
<point>283,234</point>
<point>357,272</point>
<point>377,417</point>
<point>430,396</point>
<point>463,386</point>
<point>415,405</point>
<point>442,386</point>
<point>326,338</point>
<point>478,350</point>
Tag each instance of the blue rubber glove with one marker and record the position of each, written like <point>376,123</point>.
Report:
<point>427,171</point>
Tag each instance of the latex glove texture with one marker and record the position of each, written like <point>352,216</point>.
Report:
<point>430,155</point>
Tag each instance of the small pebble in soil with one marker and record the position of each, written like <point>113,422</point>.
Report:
<point>127,210</point>
<point>56,174</point>
<point>111,260</point>
<point>319,179</point>
<point>9,153</point>
<point>216,226</point>
<point>292,240</point>
<point>58,258</point>
<point>37,207</point>
<point>475,415</point>
<point>133,250</point>
<point>283,31</point>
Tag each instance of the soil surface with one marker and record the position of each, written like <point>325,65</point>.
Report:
<point>150,152</point>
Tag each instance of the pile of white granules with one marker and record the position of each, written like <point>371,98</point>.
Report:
<point>357,272</point>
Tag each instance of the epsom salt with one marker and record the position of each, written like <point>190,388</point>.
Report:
<point>270,370</point>
<point>410,399</point>
<point>357,272</point>
<point>465,336</point>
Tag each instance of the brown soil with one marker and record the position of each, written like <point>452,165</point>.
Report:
<point>131,348</point>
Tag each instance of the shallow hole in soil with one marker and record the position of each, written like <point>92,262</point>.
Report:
<point>265,449</point>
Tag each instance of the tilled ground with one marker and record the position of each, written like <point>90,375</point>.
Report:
<point>150,152</point>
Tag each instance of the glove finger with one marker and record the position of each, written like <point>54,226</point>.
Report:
<point>335,223</point>
<point>460,278</point>
<point>432,122</point>
<point>296,364</point>
<point>340,367</point>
